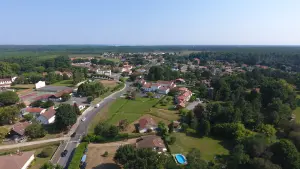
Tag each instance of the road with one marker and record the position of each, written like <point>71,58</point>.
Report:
<point>71,144</point>
<point>11,146</point>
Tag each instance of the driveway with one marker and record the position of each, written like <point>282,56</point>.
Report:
<point>193,104</point>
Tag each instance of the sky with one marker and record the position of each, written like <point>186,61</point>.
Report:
<point>150,22</point>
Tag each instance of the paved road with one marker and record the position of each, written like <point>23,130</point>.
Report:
<point>32,143</point>
<point>82,129</point>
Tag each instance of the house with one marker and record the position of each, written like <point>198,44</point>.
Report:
<point>169,84</point>
<point>180,80</point>
<point>36,111</point>
<point>176,126</point>
<point>126,68</point>
<point>6,82</point>
<point>58,96</point>
<point>153,142</point>
<point>146,124</point>
<point>103,72</point>
<point>19,128</point>
<point>47,117</point>
<point>40,84</point>
<point>183,97</point>
<point>163,90</point>
<point>162,87</point>
<point>20,160</point>
<point>43,97</point>
<point>69,74</point>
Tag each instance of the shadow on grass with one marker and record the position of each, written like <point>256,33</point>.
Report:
<point>107,166</point>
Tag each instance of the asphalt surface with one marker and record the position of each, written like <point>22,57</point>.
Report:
<point>82,130</point>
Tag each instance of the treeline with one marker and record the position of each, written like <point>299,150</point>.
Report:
<point>103,62</point>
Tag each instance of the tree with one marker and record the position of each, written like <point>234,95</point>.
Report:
<point>9,98</point>
<point>65,77</point>
<point>35,130</point>
<point>3,132</point>
<point>267,129</point>
<point>132,158</point>
<point>9,114</point>
<point>65,116</point>
<point>285,154</point>
<point>237,157</point>
<point>46,152</point>
<point>123,124</point>
<point>28,117</point>
<point>255,146</point>
<point>194,160</point>
<point>112,132</point>
<point>37,103</point>
<point>91,89</point>
<point>198,111</point>
<point>260,163</point>
<point>205,125</point>
<point>89,99</point>
<point>48,104</point>
<point>162,129</point>
<point>172,140</point>
<point>105,154</point>
<point>76,109</point>
<point>65,97</point>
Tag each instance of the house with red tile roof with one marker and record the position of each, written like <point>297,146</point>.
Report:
<point>19,128</point>
<point>48,116</point>
<point>20,160</point>
<point>153,142</point>
<point>162,87</point>
<point>183,97</point>
<point>146,124</point>
<point>32,110</point>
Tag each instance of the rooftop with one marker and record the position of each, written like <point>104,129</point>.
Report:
<point>15,161</point>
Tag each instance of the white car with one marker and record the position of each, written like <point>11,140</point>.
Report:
<point>97,105</point>
<point>83,119</point>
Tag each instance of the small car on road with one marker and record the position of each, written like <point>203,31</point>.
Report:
<point>83,119</point>
<point>64,153</point>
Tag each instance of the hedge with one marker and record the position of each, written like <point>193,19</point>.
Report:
<point>75,162</point>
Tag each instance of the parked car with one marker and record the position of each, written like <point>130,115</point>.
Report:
<point>73,135</point>
<point>97,105</point>
<point>83,119</point>
<point>64,153</point>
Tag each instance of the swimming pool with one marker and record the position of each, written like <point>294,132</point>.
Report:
<point>180,159</point>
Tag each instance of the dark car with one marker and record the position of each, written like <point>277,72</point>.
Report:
<point>64,153</point>
<point>73,135</point>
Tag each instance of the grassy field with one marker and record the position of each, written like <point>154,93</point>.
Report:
<point>208,147</point>
<point>38,162</point>
<point>132,110</point>
<point>109,83</point>
<point>297,113</point>
<point>68,83</point>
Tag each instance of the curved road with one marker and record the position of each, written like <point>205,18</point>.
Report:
<point>71,144</point>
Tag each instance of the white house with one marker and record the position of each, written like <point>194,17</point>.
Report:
<point>103,72</point>
<point>6,82</point>
<point>151,87</point>
<point>48,116</point>
<point>40,84</point>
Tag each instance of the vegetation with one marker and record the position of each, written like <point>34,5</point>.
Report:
<point>3,132</point>
<point>9,114</point>
<point>94,89</point>
<point>35,130</point>
<point>8,98</point>
<point>65,116</point>
<point>49,165</point>
<point>75,162</point>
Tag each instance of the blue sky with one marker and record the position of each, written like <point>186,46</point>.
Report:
<point>150,22</point>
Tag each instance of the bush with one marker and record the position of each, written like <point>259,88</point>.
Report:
<point>105,154</point>
<point>28,117</point>
<point>46,152</point>
<point>89,99</point>
<point>172,140</point>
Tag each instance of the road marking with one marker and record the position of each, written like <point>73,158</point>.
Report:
<point>63,150</point>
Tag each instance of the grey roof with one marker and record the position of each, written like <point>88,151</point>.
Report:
<point>53,88</point>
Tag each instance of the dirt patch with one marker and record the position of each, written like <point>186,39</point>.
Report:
<point>95,160</point>
<point>108,83</point>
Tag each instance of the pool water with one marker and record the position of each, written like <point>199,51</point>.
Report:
<point>180,159</point>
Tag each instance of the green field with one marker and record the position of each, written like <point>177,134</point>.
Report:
<point>129,109</point>
<point>297,113</point>
<point>68,83</point>
<point>208,147</point>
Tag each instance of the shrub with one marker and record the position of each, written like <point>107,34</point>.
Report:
<point>46,152</point>
<point>105,154</point>
<point>172,140</point>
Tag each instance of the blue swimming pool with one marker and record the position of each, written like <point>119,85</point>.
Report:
<point>180,159</point>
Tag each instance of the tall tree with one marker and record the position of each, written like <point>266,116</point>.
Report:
<point>65,116</point>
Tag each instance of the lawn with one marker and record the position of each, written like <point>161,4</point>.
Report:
<point>208,147</point>
<point>68,83</point>
<point>123,109</point>
<point>109,83</point>
<point>297,113</point>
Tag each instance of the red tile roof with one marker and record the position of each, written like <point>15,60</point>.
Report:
<point>15,161</point>
<point>144,122</point>
<point>34,109</point>
<point>20,127</point>
<point>49,113</point>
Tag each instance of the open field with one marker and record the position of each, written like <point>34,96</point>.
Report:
<point>68,83</point>
<point>95,160</point>
<point>208,147</point>
<point>297,113</point>
<point>38,162</point>
<point>132,110</point>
